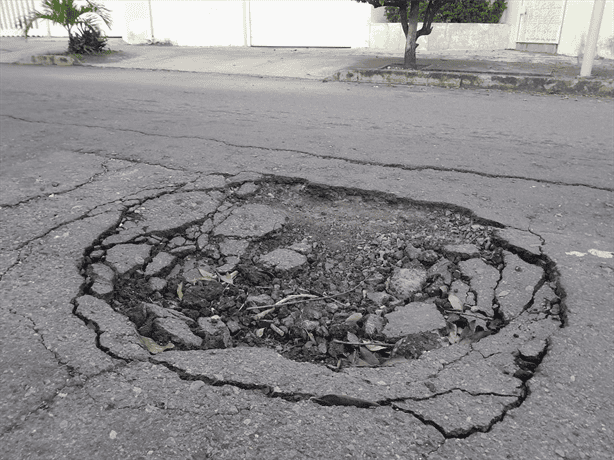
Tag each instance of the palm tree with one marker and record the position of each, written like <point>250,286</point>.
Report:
<point>85,17</point>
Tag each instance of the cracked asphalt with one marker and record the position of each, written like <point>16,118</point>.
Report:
<point>80,145</point>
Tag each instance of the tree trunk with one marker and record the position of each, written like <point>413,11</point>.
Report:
<point>410,29</point>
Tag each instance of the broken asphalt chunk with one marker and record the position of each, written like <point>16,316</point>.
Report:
<point>116,333</point>
<point>251,221</point>
<point>519,281</point>
<point>483,280</point>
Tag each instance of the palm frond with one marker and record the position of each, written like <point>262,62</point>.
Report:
<point>70,13</point>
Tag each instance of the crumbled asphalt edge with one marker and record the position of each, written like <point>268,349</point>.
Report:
<point>21,248</point>
<point>529,364</point>
<point>551,272</point>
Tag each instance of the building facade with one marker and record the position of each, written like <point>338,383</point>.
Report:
<point>552,26</point>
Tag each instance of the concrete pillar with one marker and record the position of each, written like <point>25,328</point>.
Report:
<point>591,39</point>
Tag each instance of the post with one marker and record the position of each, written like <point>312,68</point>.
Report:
<point>151,22</point>
<point>591,39</point>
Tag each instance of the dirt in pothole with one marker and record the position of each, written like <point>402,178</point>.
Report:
<point>332,308</point>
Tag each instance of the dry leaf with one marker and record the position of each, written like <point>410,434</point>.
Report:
<point>180,291</point>
<point>263,313</point>
<point>369,357</point>
<point>153,347</point>
<point>352,338</point>
<point>229,277</point>
<point>355,317</point>
<point>206,276</point>
<point>372,347</point>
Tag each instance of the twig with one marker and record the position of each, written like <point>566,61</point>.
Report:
<point>283,301</point>
<point>473,315</point>
<point>363,344</point>
<point>310,298</point>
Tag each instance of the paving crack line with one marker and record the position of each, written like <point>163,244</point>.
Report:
<point>99,153</point>
<point>395,166</point>
<point>91,213</point>
<point>62,192</point>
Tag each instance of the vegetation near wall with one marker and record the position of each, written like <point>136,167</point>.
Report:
<point>464,11</point>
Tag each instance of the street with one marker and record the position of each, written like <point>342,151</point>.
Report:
<point>539,165</point>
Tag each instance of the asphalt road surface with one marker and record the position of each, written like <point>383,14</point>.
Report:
<point>539,165</point>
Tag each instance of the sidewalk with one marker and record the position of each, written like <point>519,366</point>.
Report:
<point>496,69</point>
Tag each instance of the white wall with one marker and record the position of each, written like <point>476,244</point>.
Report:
<point>443,37</point>
<point>249,22</point>
<point>199,23</point>
<point>343,23</point>
<point>574,29</point>
<point>340,23</point>
<point>185,23</point>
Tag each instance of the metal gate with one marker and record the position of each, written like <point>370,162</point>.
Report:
<point>540,24</point>
<point>13,11</point>
<point>11,18</point>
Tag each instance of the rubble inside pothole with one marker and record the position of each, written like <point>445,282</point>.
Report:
<point>365,296</point>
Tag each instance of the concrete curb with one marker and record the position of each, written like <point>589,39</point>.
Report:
<point>498,81</point>
<point>550,85</point>
<point>50,59</point>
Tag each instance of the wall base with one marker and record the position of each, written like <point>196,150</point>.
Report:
<point>549,48</point>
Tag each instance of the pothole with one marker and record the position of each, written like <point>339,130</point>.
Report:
<point>384,297</point>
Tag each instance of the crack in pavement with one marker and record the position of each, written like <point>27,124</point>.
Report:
<point>105,170</point>
<point>329,157</point>
<point>99,153</point>
<point>46,401</point>
<point>93,212</point>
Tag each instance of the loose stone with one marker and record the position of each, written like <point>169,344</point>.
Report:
<point>175,330</point>
<point>214,332</point>
<point>157,284</point>
<point>248,188</point>
<point>405,282</point>
<point>462,251</point>
<point>283,259</point>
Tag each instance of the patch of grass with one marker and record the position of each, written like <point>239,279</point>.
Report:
<point>98,54</point>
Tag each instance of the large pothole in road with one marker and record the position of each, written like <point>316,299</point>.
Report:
<point>369,288</point>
